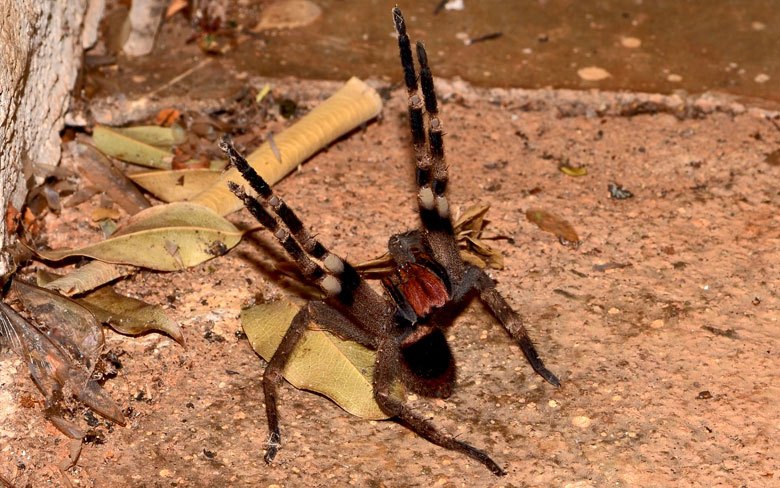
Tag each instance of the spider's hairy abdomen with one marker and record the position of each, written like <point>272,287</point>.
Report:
<point>429,365</point>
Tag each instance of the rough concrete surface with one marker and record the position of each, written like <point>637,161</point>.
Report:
<point>662,324</point>
<point>40,55</point>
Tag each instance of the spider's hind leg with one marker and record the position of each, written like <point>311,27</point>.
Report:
<point>384,377</point>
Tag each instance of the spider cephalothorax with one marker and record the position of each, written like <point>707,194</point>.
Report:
<point>405,325</point>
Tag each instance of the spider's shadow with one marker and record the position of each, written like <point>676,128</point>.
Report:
<point>277,266</point>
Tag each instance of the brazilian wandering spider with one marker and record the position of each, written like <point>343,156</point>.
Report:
<point>404,325</point>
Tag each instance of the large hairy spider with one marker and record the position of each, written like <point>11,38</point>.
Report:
<point>404,325</point>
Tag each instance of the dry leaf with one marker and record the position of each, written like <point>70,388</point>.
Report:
<point>478,248</point>
<point>321,362</point>
<point>176,185</point>
<point>197,233</point>
<point>128,315</point>
<point>553,224</point>
<point>55,373</point>
<point>102,213</point>
<point>573,170</point>
<point>67,323</point>
<point>470,258</point>
<point>102,173</point>
<point>472,220</point>
<point>125,147</point>
<point>88,277</point>
<point>288,14</point>
<point>154,135</point>
<point>468,228</point>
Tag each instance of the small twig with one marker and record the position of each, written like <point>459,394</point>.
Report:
<point>65,478</point>
<point>774,122</point>
<point>5,483</point>
<point>179,77</point>
<point>486,37</point>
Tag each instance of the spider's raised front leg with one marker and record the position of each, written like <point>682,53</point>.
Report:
<point>385,374</point>
<point>476,279</point>
<point>428,148</point>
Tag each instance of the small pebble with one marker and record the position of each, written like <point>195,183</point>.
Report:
<point>593,73</point>
<point>674,78</point>
<point>579,484</point>
<point>657,324</point>
<point>613,311</point>
<point>761,78</point>
<point>630,42</point>
<point>581,421</point>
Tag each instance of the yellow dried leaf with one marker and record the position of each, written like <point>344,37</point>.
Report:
<point>176,185</point>
<point>321,362</point>
<point>154,135</point>
<point>573,170</point>
<point>471,258</point>
<point>102,213</point>
<point>124,147</point>
<point>472,220</point>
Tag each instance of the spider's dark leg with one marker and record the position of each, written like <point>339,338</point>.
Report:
<point>272,378</point>
<point>311,270</point>
<point>329,319</point>
<point>431,168</point>
<point>476,279</point>
<point>384,375</point>
<point>338,279</point>
<point>334,321</point>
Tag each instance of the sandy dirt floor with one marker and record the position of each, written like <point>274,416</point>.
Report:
<point>662,325</point>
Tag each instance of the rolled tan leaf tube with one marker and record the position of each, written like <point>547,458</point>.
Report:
<point>354,104</point>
